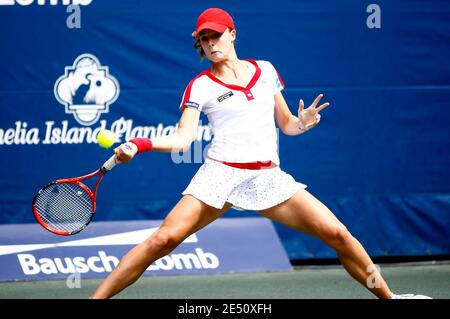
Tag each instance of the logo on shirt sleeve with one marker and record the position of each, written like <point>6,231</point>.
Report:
<point>191,104</point>
<point>278,84</point>
<point>225,96</point>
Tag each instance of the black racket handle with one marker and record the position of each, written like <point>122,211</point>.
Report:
<point>111,162</point>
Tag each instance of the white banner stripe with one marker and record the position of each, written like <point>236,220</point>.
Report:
<point>128,238</point>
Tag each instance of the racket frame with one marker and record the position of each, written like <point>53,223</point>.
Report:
<point>105,168</point>
<point>75,181</point>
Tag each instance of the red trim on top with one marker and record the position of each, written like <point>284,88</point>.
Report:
<point>245,90</point>
<point>248,95</point>
<point>187,92</point>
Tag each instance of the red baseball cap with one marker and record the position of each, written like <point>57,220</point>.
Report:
<point>214,19</point>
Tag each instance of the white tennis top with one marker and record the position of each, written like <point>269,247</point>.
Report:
<point>242,119</point>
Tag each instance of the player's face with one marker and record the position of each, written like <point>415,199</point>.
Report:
<point>215,45</point>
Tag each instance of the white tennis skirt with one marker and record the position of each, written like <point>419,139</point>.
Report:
<point>216,183</point>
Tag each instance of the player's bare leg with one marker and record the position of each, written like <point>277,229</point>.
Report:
<point>307,214</point>
<point>188,216</point>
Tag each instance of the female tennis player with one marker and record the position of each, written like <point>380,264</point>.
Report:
<point>242,100</point>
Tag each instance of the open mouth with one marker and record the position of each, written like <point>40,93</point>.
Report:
<point>214,52</point>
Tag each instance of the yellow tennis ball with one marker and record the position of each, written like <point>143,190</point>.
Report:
<point>106,138</point>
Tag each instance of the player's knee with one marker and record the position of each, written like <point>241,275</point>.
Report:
<point>163,241</point>
<point>338,237</point>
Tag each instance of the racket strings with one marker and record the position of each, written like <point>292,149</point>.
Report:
<point>65,207</point>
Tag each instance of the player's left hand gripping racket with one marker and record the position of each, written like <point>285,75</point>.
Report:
<point>66,206</point>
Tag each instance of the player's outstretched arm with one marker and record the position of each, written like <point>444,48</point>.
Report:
<point>181,140</point>
<point>183,137</point>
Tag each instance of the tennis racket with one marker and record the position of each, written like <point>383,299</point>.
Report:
<point>66,206</point>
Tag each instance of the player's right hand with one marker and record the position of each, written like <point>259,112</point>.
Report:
<point>125,152</point>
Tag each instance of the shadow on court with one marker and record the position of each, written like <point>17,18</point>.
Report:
<point>325,282</point>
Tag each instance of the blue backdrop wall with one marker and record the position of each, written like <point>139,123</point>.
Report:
<point>379,159</point>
